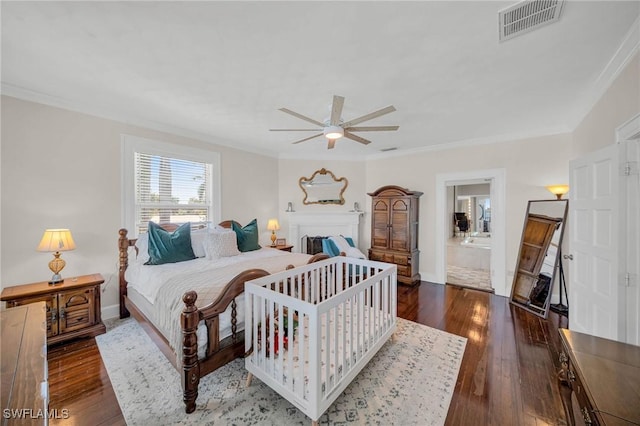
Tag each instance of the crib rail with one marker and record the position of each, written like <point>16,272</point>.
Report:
<point>313,328</point>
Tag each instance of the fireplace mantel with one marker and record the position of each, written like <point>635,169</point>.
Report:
<point>323,224</point>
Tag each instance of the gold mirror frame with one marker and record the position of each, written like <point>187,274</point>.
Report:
<point>323,188</point>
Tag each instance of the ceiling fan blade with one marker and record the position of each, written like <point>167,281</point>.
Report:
<point>371,128</point>
<point>302,117</point>
<point>336,110</point>
<point>310,137</point>
<point>332,143</point>
<point>295,130</point>
<point>356,138</point>
<point>372,115</point>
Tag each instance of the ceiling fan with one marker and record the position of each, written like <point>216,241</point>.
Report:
<point>334,127</point>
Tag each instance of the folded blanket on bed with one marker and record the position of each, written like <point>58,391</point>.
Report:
<point>344,247</point>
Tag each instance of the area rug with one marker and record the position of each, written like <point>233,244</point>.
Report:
<point>410,381</point>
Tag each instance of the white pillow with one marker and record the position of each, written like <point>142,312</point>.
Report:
<point>143,248</point>
<point>197,241</point>
<point>221,244</point>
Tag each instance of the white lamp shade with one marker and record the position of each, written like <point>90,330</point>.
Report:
<point>558,190</point>
<point>273,225</point>
<point>55,240</point>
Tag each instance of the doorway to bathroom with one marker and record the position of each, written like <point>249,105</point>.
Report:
<point>444,225</point>
<point>469,242</point>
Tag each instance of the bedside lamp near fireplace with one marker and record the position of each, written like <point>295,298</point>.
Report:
<point>55,241</point>
<point>273,226</point>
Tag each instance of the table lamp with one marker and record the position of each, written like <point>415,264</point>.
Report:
<point>273,226</point>
<point>558,190</point>
<point>56,240</point>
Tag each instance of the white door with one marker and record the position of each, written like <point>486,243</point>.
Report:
<point>630,244</point>
<point>594,218</point>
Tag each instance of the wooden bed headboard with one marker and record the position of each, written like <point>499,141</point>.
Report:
<point>123,259</point>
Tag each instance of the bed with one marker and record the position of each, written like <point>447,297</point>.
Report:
<point>192,309</point>
<point>313,328</point>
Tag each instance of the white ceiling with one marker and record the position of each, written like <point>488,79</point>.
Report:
<point>219,71</point>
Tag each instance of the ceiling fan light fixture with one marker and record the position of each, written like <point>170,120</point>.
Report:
<point>333,132</point>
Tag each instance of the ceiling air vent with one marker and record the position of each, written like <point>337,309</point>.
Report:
<point>528,15</point>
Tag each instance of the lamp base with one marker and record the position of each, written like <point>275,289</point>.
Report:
<point>56,280</point>
<point>273,238</point>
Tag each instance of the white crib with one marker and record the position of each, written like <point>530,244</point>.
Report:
<point>340,312</point>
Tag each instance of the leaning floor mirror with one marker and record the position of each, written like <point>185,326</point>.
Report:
<point>539,255</point>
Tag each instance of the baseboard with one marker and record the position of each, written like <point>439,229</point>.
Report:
<point>430,277</point>
<point>109,312</point>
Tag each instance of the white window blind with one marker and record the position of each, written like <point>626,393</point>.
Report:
<point>171,190</point>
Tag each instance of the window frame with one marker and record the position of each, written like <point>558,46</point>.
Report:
<point>132,144</point>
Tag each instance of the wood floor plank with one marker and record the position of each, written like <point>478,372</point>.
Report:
<point>507,375</point>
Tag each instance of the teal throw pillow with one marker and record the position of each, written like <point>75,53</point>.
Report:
<point>247,236</point>
<point>169,247</point>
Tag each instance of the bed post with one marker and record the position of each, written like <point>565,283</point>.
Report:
<point>123,263</point>
<point>190,366</point>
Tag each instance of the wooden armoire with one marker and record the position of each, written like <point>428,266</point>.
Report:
<point>394,230</point>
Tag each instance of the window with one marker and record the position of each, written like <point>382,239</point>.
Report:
<point>168,184</point>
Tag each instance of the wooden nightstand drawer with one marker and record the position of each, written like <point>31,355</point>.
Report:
<point>72,308</point>
<point>76,309</point>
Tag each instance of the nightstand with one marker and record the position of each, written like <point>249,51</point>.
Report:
<point>284,248</point>
<point>72,307</point>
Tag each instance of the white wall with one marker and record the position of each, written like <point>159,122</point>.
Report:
<point>62,169</point>
<point>530,165</point>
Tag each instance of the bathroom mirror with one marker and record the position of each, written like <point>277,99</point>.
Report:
<point>539,255</point>
<point>323,188</point>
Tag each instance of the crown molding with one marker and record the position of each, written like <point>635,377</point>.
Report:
<point>83,108</point>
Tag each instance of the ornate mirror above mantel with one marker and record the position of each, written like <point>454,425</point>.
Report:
<point>323,188</point>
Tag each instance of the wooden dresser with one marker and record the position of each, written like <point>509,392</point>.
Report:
<point>599,380</point>
<point>24,365</point>
<point>73,306</point>
<point>394,230</point>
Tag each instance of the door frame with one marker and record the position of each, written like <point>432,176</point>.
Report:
<point>628,137</point>
<point>497,180</point>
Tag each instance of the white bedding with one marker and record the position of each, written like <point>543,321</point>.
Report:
<point>163,286</point>
<point>148,279</point>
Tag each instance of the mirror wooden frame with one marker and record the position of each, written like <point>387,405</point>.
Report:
<point>539,255</point>
<point>326,179</point>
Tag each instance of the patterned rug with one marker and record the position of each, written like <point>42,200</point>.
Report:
<point>410,381</point>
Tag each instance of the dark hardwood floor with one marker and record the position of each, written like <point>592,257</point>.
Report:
<point>507,376</point>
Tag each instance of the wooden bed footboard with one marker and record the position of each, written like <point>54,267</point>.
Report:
<point>218,352</point>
